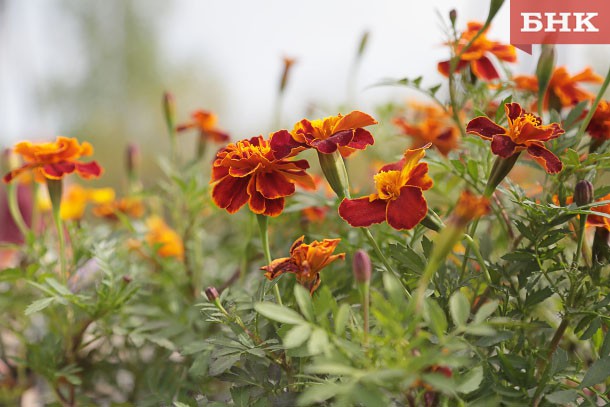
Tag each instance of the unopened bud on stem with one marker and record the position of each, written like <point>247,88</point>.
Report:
<point>212,294</point>
<point>583,193</point>
<point>361,267</point>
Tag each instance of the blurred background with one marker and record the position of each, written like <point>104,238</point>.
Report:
<point>96,70</point>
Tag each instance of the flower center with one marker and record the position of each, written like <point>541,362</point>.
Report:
<point>517,125</point>
<point>388,184</point>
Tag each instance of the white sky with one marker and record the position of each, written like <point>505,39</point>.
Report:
<point>242,41</point>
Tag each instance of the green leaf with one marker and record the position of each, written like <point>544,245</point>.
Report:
<point>604,351</point>
<point>278,313</point>
<point>304,301</point>
<point>485,311</point>
<point>562,397</point>
<point>39,305</point>
<point>297,336</point>
<point>318,393</point>
<point>597,373</point>
<point>341,319</point>
<point>459,308</point>
<point>222,364</point>
<point>538,296</point>
<point>470,381</point>
<point>473,170</point>
<point>591,330</point>
<point>435,316</point>
<point>318,342</point>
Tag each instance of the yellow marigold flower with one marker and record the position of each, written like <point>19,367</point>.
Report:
<point>166,241</point>
<point>132,207</point>
<point>75,200</point>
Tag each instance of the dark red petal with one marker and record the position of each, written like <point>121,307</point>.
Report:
<point>513,110</point>
<point>325,146</point>
<point>273,185</point>
<point>503,146</point>
<point>484,69</point>
<point>89,170</point>
<point>362,138</point>
<point>544,157</point>
<point>361,212</point>
<point>419,177</point>
<point>443,67</point>
<point>15,173</point>
<point>58,170</point>
<point>283,145</point>
<point>329,145</point>
<point>231,193</point>
<point>397,166</point>
<point>408,209</point>
<point>483,127</point>
<point>273,207</point>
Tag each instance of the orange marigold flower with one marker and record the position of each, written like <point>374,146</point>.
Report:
<point>469,207</point>
<point>563,87</point>
<point>477,54</point>
<point>253,172</point>
<point>344,133</point>
<point>429,124</point>
<point>525,132</point>
<point>599,126</point>
<point>305,262</point>
<point>163,238</point>
<point>205,122</point>
<point>75,200</point>
<point>132,207</point>
<point>592,220</point>
<point>55,159</point>
<point>399,199</point>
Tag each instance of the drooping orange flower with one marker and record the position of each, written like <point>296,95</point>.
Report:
<point>344,133</point>
<point>429,124</point>
<point>165,239</point>
<point>305,261</point>
<point>477,55</point>
<point>55,159</point>
<point>253,172</point>
<point>563,88</point>
<point>128,206</point>
<point>75,200</point>
<point>525,132</point>
<point>599,126</point>
<point>206,122</point>
<point>399,199</point>
<point>468,208</point>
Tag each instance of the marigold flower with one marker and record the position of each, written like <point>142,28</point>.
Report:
<point>477,54</point>
<point>166,241</point>
<point>599,126</point>
<point>562,87</point>
<point>525,132</point>
<point>468,208</point>
<point>75,200</point>
<point>429,124</point>
<point>344,133</point>
<point>305,261</point>
<point>132,207</point>
<point>205,122</point>
<point>253,172</point>
<point>53,160</point>
<point>399,199</point>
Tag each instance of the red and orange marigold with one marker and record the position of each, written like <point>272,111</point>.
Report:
<point>206,123</point>
<point>399,199</point>
<point>343,133</point>
<point>525,131</point>
<point>252,171</point>
<point>599,126</point>
<point>477,55</point>
<point>53,160</point>
<point>305,261</point>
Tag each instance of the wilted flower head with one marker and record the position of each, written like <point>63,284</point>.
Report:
<point>305,261</point>
<point>166,241</point>
<point>53,160</point>
<point>563,89</point>
<point>525,131</point>
<point>429,124</point>
<point>343,133</point>
<point>399,198</point>
<point>253,172</point>
<point>206,123</point>
<point>477,55</point>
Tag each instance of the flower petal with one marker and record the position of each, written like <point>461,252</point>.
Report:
<point>89,170</point>
<point>419,177</point>
<point>273,185</point>
<point>544,157</point>
<point>361,139</point>
<point>352,121</point>
<point>443,67</point>
<point>483,127</point>
<point>503,146</point>
<point>230,193</point>
<point>273,207</point>
<point>279,267</point>
<point>408,209</point>
<point>284,145</point>
<point>362,212</point>
<point>513,110</point>
<point>484,69</point>
<point>58,170</point>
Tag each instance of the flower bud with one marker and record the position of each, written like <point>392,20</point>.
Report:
<point>132,158</point>
<point>169,110</point>
<point>583,193</point>
<point>452,16</point>
<point>363,42</point>
<point>361,266</point>
<point>288,62</point>
<point>335,173</point>
<point>212,294</point>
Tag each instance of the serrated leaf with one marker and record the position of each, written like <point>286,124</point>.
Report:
<point>297,336</point>
<point>459,308</point>
<point>39,305</point>
<point>278,313</point>
<point>537,297</point>
<point>304,301</point>
<point>597,373</point>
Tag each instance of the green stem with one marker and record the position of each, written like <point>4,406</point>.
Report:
<point>366,294</point>
<point>581,236</point>
<point>475,248</point>
<point>13,205</point>
<point>384,259</point>
<point>263,223</point>
<point>55,188</point>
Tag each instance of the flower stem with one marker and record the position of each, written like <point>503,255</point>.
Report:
<point>581,236</point>
<point>13,205</point>
<point>263,223</point>
<point>55,188</point>
<point>366,299</point>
